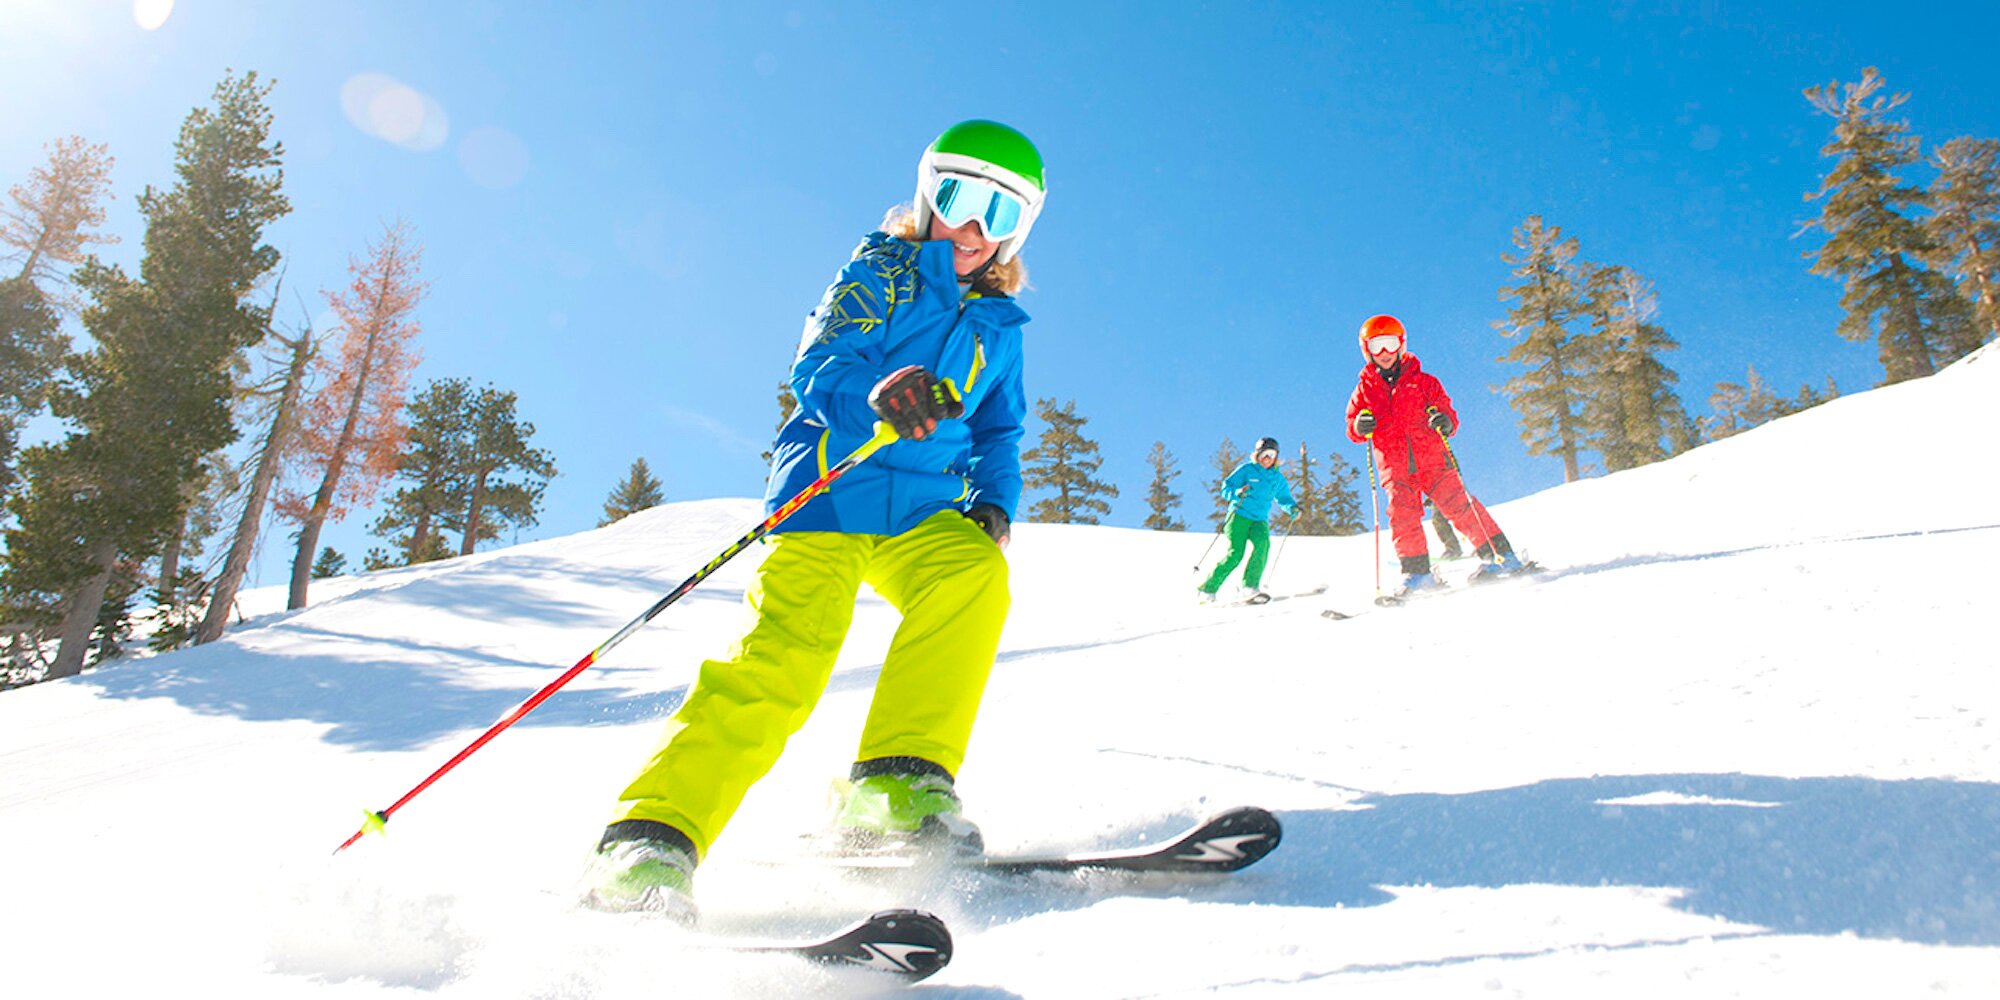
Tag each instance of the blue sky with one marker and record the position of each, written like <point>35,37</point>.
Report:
<point>627,209</point>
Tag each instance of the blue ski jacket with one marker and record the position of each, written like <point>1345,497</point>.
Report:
<point>898,303</point>
<point>1266,485</point>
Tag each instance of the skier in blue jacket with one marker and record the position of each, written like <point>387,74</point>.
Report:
<point>919,331</point>
<point>1251,490</point>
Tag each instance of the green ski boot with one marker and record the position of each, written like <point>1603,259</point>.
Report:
<point>643,876</point>
<point>904,812</point>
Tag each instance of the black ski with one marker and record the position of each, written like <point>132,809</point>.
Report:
<point>908,944</point>
<point>1225,842</point>
<point>1252,601</point>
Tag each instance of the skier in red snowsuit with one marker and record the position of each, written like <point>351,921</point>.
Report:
<point>1406,416</point>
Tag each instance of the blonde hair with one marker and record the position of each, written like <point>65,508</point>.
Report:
<point>1006,279</point>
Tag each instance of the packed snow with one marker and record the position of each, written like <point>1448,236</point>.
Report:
<point>1738,740</point>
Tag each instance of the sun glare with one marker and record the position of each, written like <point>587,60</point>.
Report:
<point>151,14</point>
<point>394,111</point>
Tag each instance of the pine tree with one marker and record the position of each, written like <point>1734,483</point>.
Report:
<point>31,349</point>
<point>431,461</point>
<point>50,221</point>
<point>352,429</point>
<point>1160,496</point>
<point>329,564</point>
<point>1739,408</point>
<point>54,216</point>
<point>1551,394</point>
<point>1339,501</point>
<point>1225,460</point>
<point>640,491</point>
<point>1872,243</point>
<point>1965,224</point>
<point>498,446</point>
<point>1633,411</point>
<point>153,396</point>
<point>1066,462</point>
<point>1312,519</point>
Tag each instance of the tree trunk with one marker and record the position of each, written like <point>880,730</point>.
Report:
<point>170,563</point>
<point>245,544</point>
<point>81,616</point>
<point>420,536</point>
<point>472,513</point>
<point>336,466</point>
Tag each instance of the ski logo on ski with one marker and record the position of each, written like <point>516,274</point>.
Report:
<point>900,959</point>
<point>1225,850</point>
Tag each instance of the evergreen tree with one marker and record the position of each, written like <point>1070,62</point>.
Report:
<point>1339,501</point>
<point>1965,225</point>
<point>329,564</point>
<point>31,349</point>
<point>1738,408</point>
<point>1066,462</point>
<point>1225,460</point>
<point>431,462</point>
<point>1550,396</point>
<point>351,430</point>
<point>640,491</point>
<point>153,396</point>
<point>1160,496</point>
<point>1633,412</point>
<point>1306,489</point>
<point>497,447</point>
<point>1872,243</point>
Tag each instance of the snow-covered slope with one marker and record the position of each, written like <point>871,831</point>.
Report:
<point>1739,740</point>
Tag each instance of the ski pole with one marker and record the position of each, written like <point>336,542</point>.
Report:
<point>1272,570</point>
<point>884,434</point>
<point>1486,524</point>
<point>1375,506</point>
<point>1211,546</point>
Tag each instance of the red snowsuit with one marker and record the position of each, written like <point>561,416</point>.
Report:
<point>1414,460</point>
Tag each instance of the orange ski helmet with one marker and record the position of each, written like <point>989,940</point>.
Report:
<point>1381,326</point>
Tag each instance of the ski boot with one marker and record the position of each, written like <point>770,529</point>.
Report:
<point>643,876</point>
<point>904,805</point>
<point>1204,596</point>
<point>1508,565</point>
<point>1257,597</point>
<point>1417,583</point>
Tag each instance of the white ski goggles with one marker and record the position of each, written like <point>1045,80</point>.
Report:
<point>1384,344</point>
<point>957,198</point>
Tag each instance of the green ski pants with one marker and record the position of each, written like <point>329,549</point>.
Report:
<point>948,580</point>
<point>1242,530</point>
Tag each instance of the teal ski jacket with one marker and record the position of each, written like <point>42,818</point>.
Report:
<point>898,303</point>
<point>1265,486</point>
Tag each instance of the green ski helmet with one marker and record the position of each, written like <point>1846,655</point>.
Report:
<point>982,170</point>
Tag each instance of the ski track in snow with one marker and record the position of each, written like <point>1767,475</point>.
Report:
<point>1738,740</point>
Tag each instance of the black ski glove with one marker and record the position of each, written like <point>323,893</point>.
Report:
<point>991,520</point>
<point>1364,423</point>
<point>912,401</point>
<point>1441,423</point>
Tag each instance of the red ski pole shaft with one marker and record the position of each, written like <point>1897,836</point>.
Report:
<point>377,820</point>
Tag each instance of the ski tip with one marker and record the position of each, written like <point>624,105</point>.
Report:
<point>910,944</point>
<point>1232,840</point>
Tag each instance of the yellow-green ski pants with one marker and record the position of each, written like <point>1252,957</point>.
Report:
<point>948,580</point>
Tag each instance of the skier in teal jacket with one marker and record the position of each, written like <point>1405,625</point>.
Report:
<point>1251,490</point>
